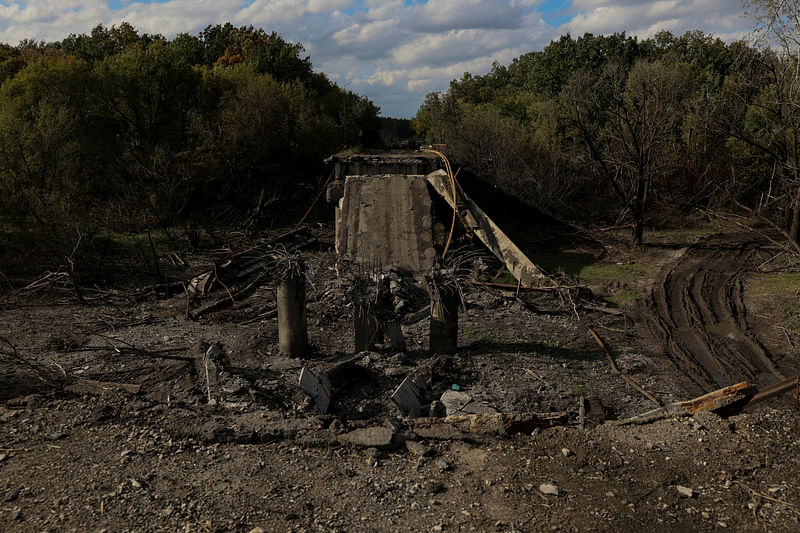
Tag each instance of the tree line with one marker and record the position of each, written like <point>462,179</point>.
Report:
<point>616,129</point>
<point>121,130</point>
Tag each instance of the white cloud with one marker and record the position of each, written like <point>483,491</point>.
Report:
<point>440,15</point>
<point>393,51</point>
<point>646,18</point>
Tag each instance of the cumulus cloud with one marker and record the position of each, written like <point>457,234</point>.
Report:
<point>648,17</point>
<point>392,51</point>
<point>442,15</point>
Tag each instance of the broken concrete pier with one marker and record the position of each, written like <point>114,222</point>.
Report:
<point>386,219</point>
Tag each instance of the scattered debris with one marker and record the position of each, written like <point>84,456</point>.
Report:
<point>419,449</point>
<point>510,424</point>
<point>407,397</point>
<point>89,386</point>
<point>454,400</point>
<point>318,388</point>
<point>211,362</point>
<point>684,492</point>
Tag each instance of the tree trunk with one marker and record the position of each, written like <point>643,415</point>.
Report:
<point>794,228</point>
<point>638,210</point>
<point>292,329</point>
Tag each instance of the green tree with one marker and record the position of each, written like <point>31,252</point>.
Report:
<point>630,128</point>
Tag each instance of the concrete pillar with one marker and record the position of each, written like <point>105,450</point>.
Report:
<point>292,328</point>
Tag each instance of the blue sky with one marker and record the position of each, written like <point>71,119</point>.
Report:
<point>393,51</point>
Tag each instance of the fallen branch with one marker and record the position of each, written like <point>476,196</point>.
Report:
<point>620,374</point>
<point>15,355</point>
<point>754,492</point>
<point>229,299</point>
<point>129,349</point>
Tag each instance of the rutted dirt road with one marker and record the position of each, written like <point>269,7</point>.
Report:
<point>697,309</point>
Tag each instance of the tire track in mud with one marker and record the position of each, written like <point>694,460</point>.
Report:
<point>697,311</point>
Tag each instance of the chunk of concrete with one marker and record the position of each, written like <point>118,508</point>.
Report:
<point>374,437</point>
<point>455,401</point>
<point>318,388</point>
<point>407,398</point>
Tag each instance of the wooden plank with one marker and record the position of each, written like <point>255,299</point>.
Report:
<point>713,401</point>
<point>490,234</point>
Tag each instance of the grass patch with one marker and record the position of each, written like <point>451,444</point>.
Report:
<point>778,296</point>
<point>623,299</point>
<point>777,284</point>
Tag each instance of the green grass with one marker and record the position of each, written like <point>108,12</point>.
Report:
<point>778,284</point>
<point>779,295</point>
<point>623,299</point>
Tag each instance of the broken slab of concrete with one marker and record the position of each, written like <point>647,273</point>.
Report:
<point>373,437</point>
<point>407,398</point>
<point>479,223</point>
<point>454,401</point>
<point>317,387</point>
<point>386,219</point>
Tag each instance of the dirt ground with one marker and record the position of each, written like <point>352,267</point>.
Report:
<point>109,420</point>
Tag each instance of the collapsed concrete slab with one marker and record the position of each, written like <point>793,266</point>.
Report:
<point>388,220</point>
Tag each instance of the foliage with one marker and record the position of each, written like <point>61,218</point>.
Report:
<point>614,129</point>
<point>127,131</point>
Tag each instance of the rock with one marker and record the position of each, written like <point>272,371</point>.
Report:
<point>550,489</point>
<point>374,437</point>
<point>684,492</point>
<point>442,465</point>
<point>135,484</point>
<point>419,449</point>
<point>56,435</point>
<point>257,530</point>
<point>13,494</point>
<point>454,401</point>
<point>566,452</point>
<point>3,457</point>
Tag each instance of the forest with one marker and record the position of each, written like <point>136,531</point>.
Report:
<point>619,130</point>
<point>119,131</point>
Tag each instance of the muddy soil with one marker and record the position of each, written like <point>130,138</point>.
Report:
<point>112,422</point>
<point>698,310</point>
